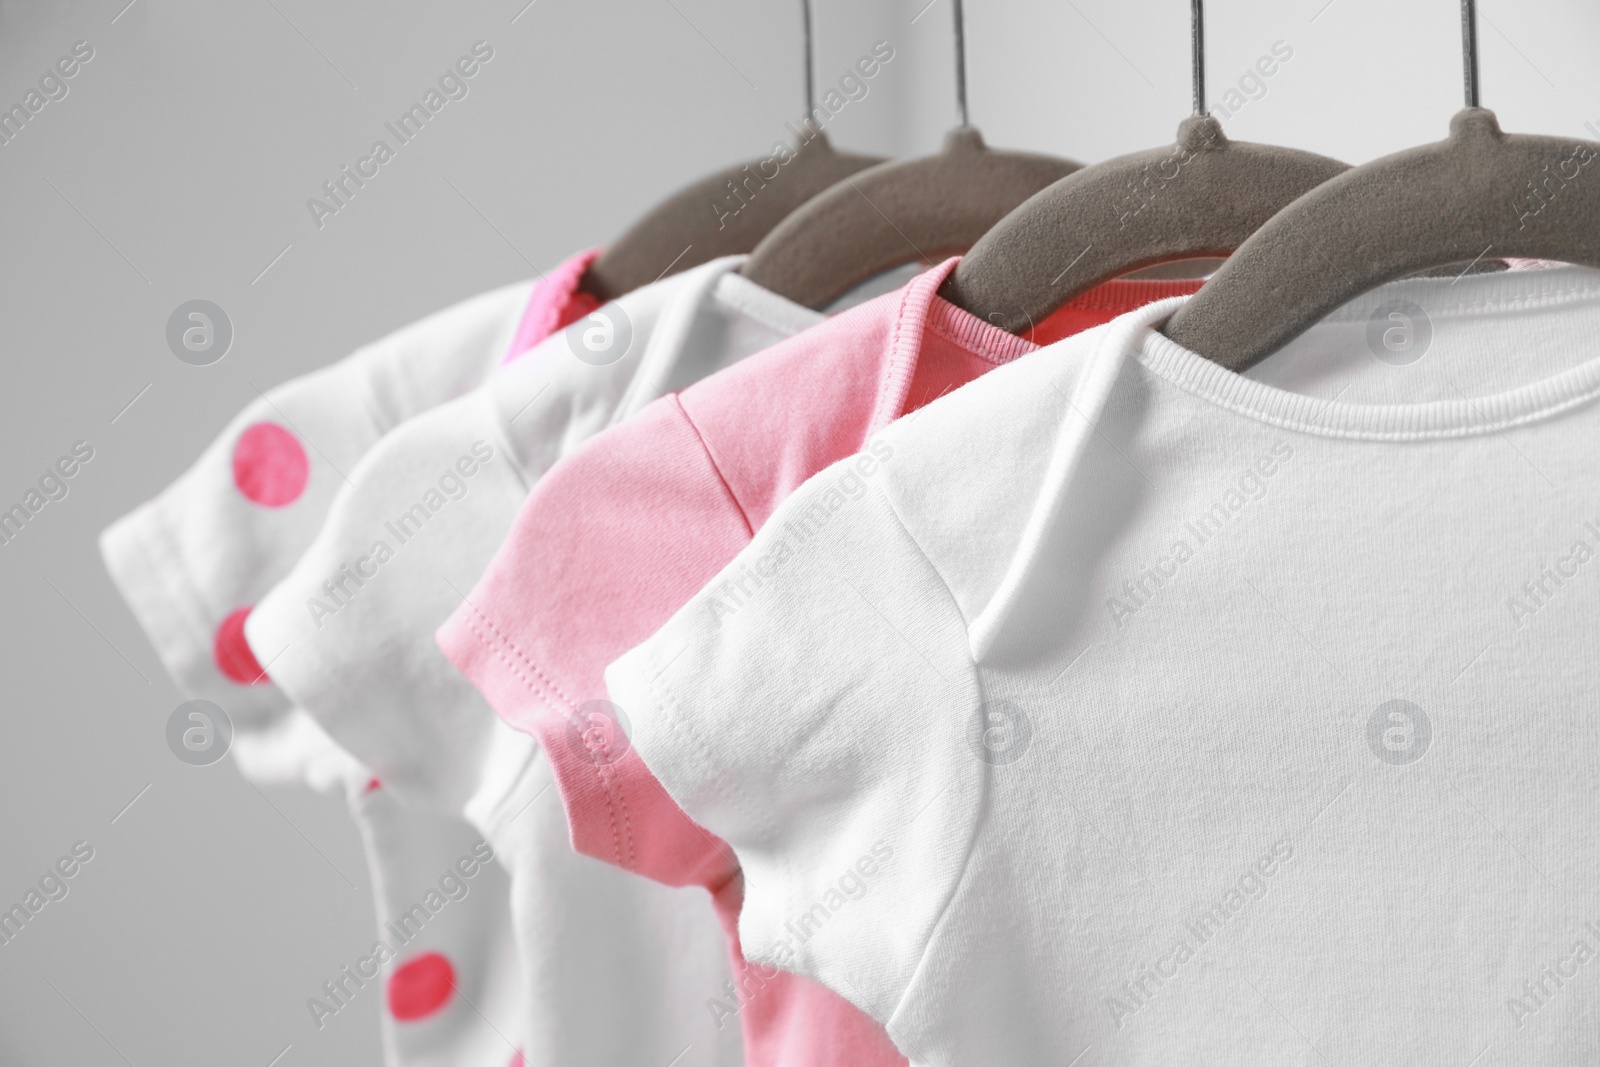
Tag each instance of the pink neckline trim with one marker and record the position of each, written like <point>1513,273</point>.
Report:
<point>921,308</point>
<point>556,302</point>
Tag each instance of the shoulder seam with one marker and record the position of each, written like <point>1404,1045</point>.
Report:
<point>716,468</point>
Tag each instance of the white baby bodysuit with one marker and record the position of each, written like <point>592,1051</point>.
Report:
<point>1119,709</point>
<point>350,633</point>
<point>192,561</point>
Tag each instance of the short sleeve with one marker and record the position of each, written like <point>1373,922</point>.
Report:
<point>608,543</point>
<point>193,561</point>
<point>811,706</point>
<point>348,629</point>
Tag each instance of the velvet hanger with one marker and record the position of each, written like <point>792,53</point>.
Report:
<point>726,212</point>
<point>1201,197</point>
<point>900,212</point>
<point>1480,191</point>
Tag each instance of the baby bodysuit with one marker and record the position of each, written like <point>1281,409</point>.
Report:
<point>350,635</point>
<point>421,864</point>
<point>617,536</point>
<point>1122,709</point>
<point>192,561</point>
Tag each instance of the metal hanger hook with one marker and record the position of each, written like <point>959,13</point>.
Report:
<point>810,79</point>
<point>961,60</point>
<point>1197,41</point>
<point>1469,50</point>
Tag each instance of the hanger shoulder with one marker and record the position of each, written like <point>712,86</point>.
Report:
<point>1479,193</point>
<point>722,214</point>
<point>1200,197</point>
<point>896,213</point>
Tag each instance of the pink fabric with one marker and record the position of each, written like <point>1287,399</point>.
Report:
<point>614,539</point>
<point>269,466</point>
<point>556,303</point>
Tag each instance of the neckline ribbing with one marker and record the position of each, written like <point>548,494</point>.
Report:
<point>1461,417</point>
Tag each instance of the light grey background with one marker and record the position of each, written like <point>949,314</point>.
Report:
<point>179,166</point>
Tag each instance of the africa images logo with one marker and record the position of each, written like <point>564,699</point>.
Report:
<point>340,590</point>
<point>1148,978</point>
<point>453,84</point>
<point>1250,486</point>
<point>1399,732</point>
<point>999,732</point>
<point>405,927</point>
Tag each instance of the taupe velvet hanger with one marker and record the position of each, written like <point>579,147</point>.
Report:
<point>727,212</point>
<point>1479,192</point>
<point>1199,198</point>
<point>900,212</point>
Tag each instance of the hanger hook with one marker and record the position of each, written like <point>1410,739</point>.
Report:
<point>1469,49</point>
<point>1197,34</point>
<point>806,37</point>
<point>961,61</point>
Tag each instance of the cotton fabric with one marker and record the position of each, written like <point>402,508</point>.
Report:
<point>192,562</point>
<point>426,510</point>
<point>617,536</point>
<point>1121,707</point>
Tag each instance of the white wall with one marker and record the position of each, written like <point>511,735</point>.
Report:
<point>178,167</point>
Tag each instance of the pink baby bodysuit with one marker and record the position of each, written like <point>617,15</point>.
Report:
<point>614,539</point>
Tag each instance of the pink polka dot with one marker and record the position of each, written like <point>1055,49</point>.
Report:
<point>516,1059</point>
<point>420,986</point>
<point>269,466</point>
<point>232,652</point>
<point>373,785</point>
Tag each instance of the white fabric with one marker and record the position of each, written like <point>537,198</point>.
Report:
<point>433,898</point>
<point>1062,728</point>
<point>363,660</point>
<point>202,550</point>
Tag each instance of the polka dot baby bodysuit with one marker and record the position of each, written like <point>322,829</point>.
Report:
<point>193,561</point>
<point>350,633</point>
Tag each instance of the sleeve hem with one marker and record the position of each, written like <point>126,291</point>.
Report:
<point>638,680</point>
<point>160,592</point>
<point>507,678</point>
<point>635,681</point>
